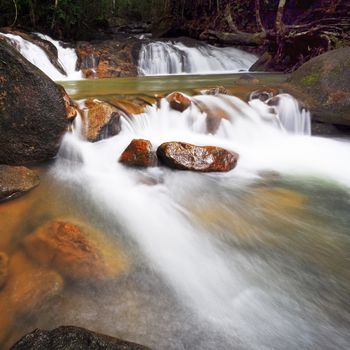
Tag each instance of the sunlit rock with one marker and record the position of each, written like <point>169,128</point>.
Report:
<point>15,180</point>
<point>77,251</point>
<point>139,153</point>
<point>184,156</point>
<point>178,101</point>
<point>71,108</point>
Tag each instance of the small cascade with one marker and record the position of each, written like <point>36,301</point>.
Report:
<point>37,56</point>
<point>161,58</point>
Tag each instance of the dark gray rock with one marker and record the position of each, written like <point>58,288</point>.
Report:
<point>72,338</point>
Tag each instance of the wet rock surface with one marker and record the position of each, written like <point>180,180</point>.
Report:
<point>184,156</point>
<point>70,337</point>
<point>324,84</point>
<point>77,251</point>
<point>3,268</point>
<point>32,111</point>
<point>102,120</point>
<point>15,180</point>
<point>109,58</point>
<point>178,101</point>
<point>139,153</point>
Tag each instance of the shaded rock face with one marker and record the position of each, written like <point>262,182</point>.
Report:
<point>324,82</point>
<point>76,251</point>
<point>14,180</point>
<point>102,121</point>
<point>108,59</point>
<point>32,111</point>
<point>178,101</point>
<point>139,153</point>
<point>71,108</point>
<point>69,338</point>
<point>184,156</point>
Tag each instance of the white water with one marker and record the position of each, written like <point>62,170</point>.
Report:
<point>161,58</point>
<point>37,56</point>
<point>193,264</point>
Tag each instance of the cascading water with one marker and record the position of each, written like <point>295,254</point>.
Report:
<point>161,58</point>
<point>251,304</point>
<point>37,56</point>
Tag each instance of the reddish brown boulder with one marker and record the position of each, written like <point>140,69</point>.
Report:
<point>71,108</point>
<point>76,251</point>
<point>3,268</point>
<point>184,156</point>
<point>178,101</point>
<point>139,153</point>
<point>101,120</point>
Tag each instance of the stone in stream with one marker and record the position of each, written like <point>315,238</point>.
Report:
<point>3,268</point>
<point>32,111</point>
<point>184,156</point>
<point>217,90</point>
<point>139,153</point>
<point>70,337</point>
<point>77,251</point>
<point>102,120</point>
<point>178,101</point>
<point>15,180</point>
<point>323,83</point>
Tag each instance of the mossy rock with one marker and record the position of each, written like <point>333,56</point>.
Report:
<point>32,110</point>
<point>325,82</point>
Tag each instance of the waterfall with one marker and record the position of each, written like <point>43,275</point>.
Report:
<point>160,58</point>
<point>67,57</point>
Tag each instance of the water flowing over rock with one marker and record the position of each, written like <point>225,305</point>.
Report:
<point>101,120</point>
<point>77,251</point>
<point>324,84</point>
<point>139,153</point>
<point>32,111</point>
<point>184,156</point>
<point>15,180</point>
<point>157,58</point>
<point>108,59</point>
<point>70,337</point>
<point>179,101</point>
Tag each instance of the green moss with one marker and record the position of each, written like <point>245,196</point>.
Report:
<point>310,79</point>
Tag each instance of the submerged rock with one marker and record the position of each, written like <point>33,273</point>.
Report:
<point>77,251</point>
<point>184,156</point>
<point>178,101</point>
<point>3,268</point>
<point>215,91</point>
<point>70,337</point>
<point>14,180</point>
<point>324,84</point>
<point>102,120</point>
<point>32,111</point>
<point>139,153</point>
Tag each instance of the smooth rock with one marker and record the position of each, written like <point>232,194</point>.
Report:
<point>184,156</point>
<point>32,111</point>
<point>102,120</point>
<point>179,101</point>
<point>139,153</point>
<point>15,180</point>
<point>72,338</point>
<point>324,84</point>
<point>3,268</point>
<point>77,251</point>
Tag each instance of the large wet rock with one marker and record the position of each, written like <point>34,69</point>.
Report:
<point>76,251</point>
<point>69,338</point>
<point>109,58</point>
<point>324,84</point>
<point>3,268</point>
<point>102,120</point>
<point>15,180</point>
<point>184,156</point>
<point>139,153</point>
<point>32,111</point>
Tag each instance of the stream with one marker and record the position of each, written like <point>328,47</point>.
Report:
<point>253,259</point>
